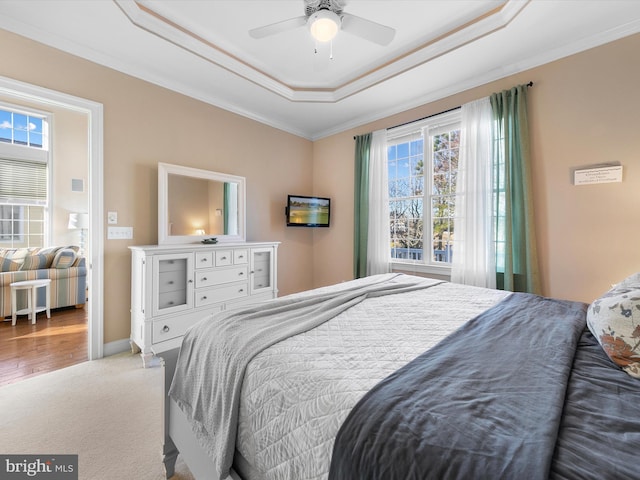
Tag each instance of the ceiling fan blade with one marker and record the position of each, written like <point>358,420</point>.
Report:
<point>363,28</point>
<point>278,27</point>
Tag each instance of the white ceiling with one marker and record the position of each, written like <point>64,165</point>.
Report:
<point>202,48</point>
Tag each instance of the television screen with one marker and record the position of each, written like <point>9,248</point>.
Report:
<point>305,211</point>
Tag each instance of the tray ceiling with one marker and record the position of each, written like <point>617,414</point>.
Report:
<point>203,49</point>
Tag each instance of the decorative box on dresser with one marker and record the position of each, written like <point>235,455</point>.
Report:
<point>175,286</point>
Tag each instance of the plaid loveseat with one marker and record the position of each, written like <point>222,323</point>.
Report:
<point>66,269</point>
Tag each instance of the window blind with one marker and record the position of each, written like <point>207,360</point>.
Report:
<point>23,182</point>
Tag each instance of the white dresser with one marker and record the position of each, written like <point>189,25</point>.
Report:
<point>175,286</point>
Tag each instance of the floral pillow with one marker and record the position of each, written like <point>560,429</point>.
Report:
<point>614,319</point>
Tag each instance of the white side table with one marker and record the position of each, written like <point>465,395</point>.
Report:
<point>32,306</point>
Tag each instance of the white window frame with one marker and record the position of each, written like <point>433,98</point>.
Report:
<point>425,128</point>
<point>34,154</point>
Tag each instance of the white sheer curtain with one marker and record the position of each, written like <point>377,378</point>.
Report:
<point>378,239</point>
<point>473,257</point>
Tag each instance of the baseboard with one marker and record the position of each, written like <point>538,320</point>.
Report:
<point>113,348</point>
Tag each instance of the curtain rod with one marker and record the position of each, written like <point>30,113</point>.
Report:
<point>424,118</point>
<point>530,84</point>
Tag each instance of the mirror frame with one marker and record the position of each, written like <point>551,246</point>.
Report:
<point>164,170</point>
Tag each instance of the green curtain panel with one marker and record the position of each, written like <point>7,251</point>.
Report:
<point>517,259</point>
<point>225,210</point>
<point>361,205</point>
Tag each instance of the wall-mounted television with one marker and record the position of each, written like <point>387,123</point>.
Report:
<point>303,211</point>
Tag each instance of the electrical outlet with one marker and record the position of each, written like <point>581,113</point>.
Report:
<point>112,218</point>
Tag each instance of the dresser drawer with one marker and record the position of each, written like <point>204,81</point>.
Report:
<point>171,281</point>
<point>261,257</point>
<point>207,296</point>
<point>172,265</point>
<point>204,259</point>
<point>223,258</point>
<point>171,328</point>
<point>205,278</point>
<point>172,299</point>
<point>261,281</point>
<point>240,256</point>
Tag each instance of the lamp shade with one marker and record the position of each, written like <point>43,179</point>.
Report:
<point>78,220</point>
<point>324,25</point>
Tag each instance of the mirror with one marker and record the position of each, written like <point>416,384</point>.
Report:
<point>195,204</point>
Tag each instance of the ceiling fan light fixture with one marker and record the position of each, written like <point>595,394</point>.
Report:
<point>324,25</point>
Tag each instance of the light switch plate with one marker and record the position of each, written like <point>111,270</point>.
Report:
<point>119,233</point>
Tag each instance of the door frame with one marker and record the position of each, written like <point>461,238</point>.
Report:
<point>94,111</point>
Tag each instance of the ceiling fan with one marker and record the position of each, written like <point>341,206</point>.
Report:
<point>324,19</point>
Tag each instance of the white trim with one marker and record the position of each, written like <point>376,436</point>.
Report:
<point>431,269</point>
<point>138,71</point>
<point>94,111</point>
<point>503,71</point>
<point>172,31</point>
<point>119,346</point>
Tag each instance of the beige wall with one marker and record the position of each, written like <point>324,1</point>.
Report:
<point>583,111</point>
<point>145,124</point>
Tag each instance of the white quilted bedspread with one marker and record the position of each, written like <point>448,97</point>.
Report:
<point>297,393</point>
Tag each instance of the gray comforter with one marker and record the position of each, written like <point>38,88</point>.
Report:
<point>521,391</point>
<point>234,338</point>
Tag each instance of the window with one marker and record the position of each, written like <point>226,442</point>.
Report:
<point>422,161</point>
<point>24,165</point>
<point>21,129</point>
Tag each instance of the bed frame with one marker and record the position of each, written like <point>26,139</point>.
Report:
<point>178,436</point>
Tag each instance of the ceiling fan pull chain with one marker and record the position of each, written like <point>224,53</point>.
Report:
<point>315,49</point>
<point>331,51</point>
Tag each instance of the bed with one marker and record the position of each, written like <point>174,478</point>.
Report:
<point>396,377</point>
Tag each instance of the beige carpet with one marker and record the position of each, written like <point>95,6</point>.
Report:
<point>107,411</point>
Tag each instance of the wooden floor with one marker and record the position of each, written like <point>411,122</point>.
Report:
<point>28,350</point>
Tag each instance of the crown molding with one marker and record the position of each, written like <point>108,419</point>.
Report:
<point>543,58</point>
<point>143,16</point>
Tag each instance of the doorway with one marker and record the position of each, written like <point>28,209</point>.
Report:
<point>21,91</point>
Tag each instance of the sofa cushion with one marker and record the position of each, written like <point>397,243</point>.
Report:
<point>17,255</point>
<point>54,250</point>
<point>65,258</point>
<point>37,261</point>
<point>8,265</point>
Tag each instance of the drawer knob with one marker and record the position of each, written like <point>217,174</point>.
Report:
<point>223,258</point>
<point>240,273</point>
<point>190,281</point>
<point>204,279</point>
<point>204,298</point>
<point>241,290</point>
<point>170,282</point>
<point>171,302</point>
<point>166,328</point>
